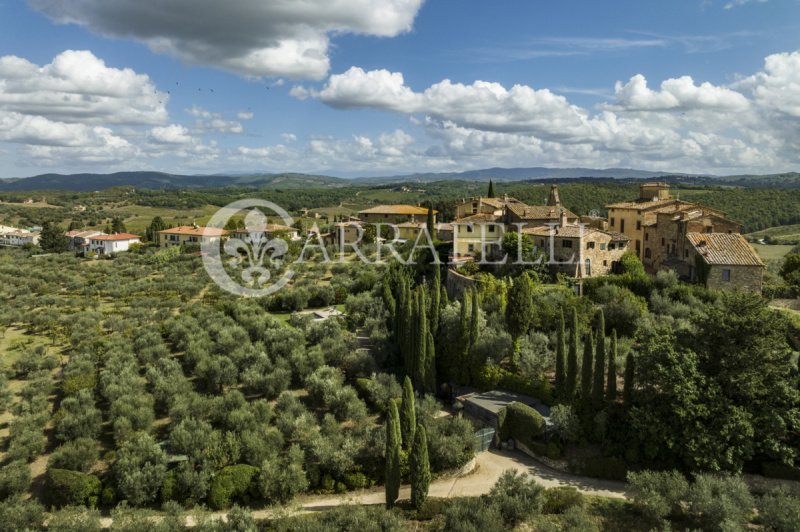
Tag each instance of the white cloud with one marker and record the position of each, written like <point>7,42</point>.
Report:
<point>208,122</point>
<point>677,94</point>
<point>171,134</point>
<point>250,37</point>
<point>289,137</point>
<point>737,3</point>
<point>777,87</point>
<point>245,115</point>
<point>77,87</point>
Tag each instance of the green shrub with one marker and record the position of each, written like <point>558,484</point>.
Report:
<point>15,478</point>
<point>357,481</point>
<point>779,510</point>
<point>469,515</point>
<point>517,497</point>
<point>658,494</point>
<point>577,519</point>
<point>72,488</point>
<point>720,502</point>
<point>560,499</point>
<point>522,423</point>
<point>233,483</point>
<point>550,449</point>
<point>17,514</point>
<point>78,455</point>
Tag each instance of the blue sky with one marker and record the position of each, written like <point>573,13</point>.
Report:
<point>376,87</point>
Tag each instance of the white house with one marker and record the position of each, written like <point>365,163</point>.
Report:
<point>108,244</point>
<point>80,239</point>
<point>18,237</point>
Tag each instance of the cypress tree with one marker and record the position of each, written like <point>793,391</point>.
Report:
<point>444,300</point>
<point>519,309</point>
<point>421,340</point>
<point>474,317</point>
<point>393,438</point>
<point>420,469</point>
<point>408,416</point>
<point>430,365</point>
<point>572,359</point>
<point>463,349</point>
<point>598,386</point>
<point>560,353</point>
<point>586,367</point>
<point>611,381</point>
<point>490,193</point>
<point>436,299</point>
<point>630,372</point>
<point>429,223</point>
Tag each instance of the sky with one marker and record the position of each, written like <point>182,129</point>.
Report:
<point>386,87</point>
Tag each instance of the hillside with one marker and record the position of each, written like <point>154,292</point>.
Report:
<point>160,180</point>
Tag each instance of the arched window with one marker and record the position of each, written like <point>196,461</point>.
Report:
<point>588,268</point>
<point>647,253</point>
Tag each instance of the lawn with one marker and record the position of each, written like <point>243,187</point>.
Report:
<point>772,252</point>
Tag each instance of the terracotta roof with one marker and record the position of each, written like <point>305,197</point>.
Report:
<point>477,218</point>
<point>724,249</point>
<point>195,231</point>
<point>117,236</point>
<point>268,228</point>
<point>617,237</point>
<point>539,212</point>
<point>400,210</point>
<point>641,205</point>
<point>572,231</point>
<point>82,233</point>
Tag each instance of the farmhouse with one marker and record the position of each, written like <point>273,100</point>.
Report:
<point>116,243</point>
<point>18,237</point>
<point>395,214</point>
<point>269,230</point>
<point>190,234</point>
<point>79,240</point>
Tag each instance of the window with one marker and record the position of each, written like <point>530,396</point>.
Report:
<point>638,225</point>
<point>603,246</point>
<point>613,221</point>
<point>611,246</point>
<point>469,229</point>
<point>566,243</point>
<point>491,228</point>
<point>647,253</point>
<point>726,275</point>
<point>663,241</point>
<point>590,245</point>
<point>646,237</point>
<point>605,263</point>
<point>588,268</point>
<point>638,246</point>
<point>541,242</point>
<point>471,248</point>
<point>686,253</point>
<point>622,225</point>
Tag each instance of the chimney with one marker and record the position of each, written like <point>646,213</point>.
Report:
<point>563,218</point>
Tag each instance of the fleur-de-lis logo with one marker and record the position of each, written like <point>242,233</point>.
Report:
<point>251,250</point>
<point>252,253</point>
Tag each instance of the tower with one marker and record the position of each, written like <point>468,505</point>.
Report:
<point>554,200</point>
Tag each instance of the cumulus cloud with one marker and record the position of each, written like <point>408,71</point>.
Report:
<point>777,87</point>
<point>677,94</point>
<point>171,134</point>
<point>208,122</point>
<point>250,37</point>
<point>78,87</point>
<point>245,115</point>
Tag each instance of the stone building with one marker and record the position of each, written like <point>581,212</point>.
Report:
<point>630,217</point>
<point>578,250</point>
<point>722,261</point>
<point>393,214</point>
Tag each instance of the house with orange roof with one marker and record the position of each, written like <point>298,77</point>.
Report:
<point>190,234</point>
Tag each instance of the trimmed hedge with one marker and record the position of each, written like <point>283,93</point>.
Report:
<point>72,488</point>
<point>521,422</point>
<point>236,483</point>
<point>493,377</point>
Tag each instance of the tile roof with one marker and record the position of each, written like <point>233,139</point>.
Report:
<point>82,233</point>
<point>268,228</point>
<point>401,210</point>
<point>478,218</point>
<point>195,231</point>
<point>116,236</point>
<point>572,231</point>
<point>724,249</point>
<point>539,212</point>
<point>641,205</point>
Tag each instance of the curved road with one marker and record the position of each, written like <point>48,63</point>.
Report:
<point>490,466</point>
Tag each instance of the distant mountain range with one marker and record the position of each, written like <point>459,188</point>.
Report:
<point>159,180</point>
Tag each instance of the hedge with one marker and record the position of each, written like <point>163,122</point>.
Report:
<point>607,467</point>
<point>521,422</point>
<point>236,483</point>
<point>493,377</point>
<point>72,488</point>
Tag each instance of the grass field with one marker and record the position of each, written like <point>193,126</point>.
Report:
<point>781,233</point>
<point>772,252</point>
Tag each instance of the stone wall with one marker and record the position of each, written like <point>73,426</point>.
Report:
<point>457,284</point>
<point>742,278</point>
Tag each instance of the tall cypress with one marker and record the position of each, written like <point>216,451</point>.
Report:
<point>420,469</point>
<point>430,365</point>
<point>429,223</point>
<point>586,367</point>
<point>630,375</point>
<point>572,359</point>
<point>560,353</point>
<point>490,192</point>
<point>393,439</point>
<point>611,381</point>
<point>436,299</point>
<point>598,386</point>
<point>420,339</point>
<point>408,416</point>
<point>474,317</point>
